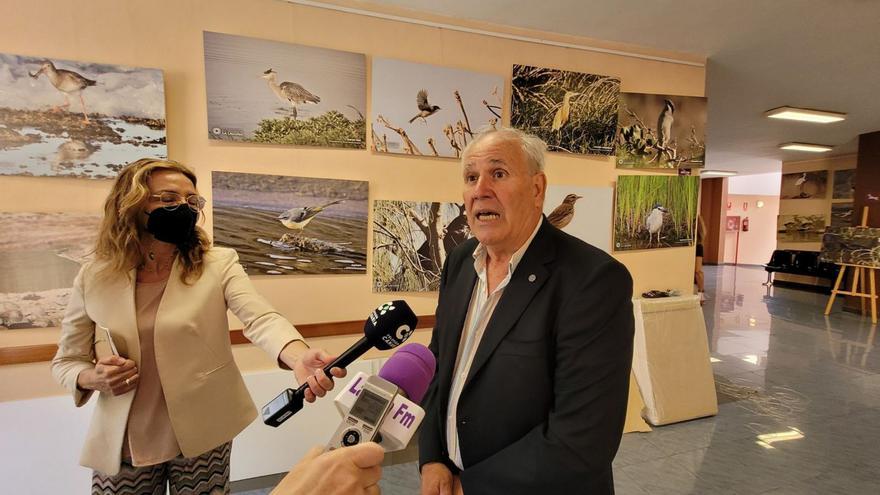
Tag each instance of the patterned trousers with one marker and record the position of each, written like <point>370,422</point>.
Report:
<point>202,475</point>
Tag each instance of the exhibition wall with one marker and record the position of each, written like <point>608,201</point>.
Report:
<point>756,245</point>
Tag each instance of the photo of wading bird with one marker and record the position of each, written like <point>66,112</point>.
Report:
<point>425,108</point>
<point>289,92</point>
<point>654,223</point>
<point>561,216</point>
<point>67,82</point>
<point>564,111</point>
<point>298,218</point>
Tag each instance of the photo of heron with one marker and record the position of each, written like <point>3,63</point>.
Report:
<point>800,228</point>
<point>40,254</point>
<point>572,111</point>
<point>804,185</point>
<point>842,214</point>
<point>411,240</point>
<point>427,110</point>
<point>844,184</point>
<point>655,211</point>
<point>77,119</point>
<point>661,131</point>
<point>282,225</point>
<point>584,212</point>
<point>271,92</point>
<point>851,245</point>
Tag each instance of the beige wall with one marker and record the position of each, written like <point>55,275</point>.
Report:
<point>167,34</point>
<point>756,245</point>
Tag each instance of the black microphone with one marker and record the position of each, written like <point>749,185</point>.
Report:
<point>387,327</point>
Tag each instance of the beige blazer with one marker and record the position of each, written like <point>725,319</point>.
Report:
<point>206,396</point>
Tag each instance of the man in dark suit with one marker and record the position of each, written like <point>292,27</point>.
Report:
<point>533,340</point>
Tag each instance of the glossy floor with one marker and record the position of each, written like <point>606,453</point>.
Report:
<point>799,397</point>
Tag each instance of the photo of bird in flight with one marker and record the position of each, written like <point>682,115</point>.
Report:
<point>67,82</point>
<point>561,216</point>
<point>298,218</point>
<point>289,92</point>
<point>425,108</point>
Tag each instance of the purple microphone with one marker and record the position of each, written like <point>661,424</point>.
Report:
<point>411,368</point>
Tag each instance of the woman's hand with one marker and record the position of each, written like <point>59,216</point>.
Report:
<point>112,375</point>
<point>309,368</point>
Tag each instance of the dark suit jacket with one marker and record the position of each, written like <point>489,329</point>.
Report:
<point>543,407</point>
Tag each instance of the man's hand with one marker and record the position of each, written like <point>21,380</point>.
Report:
<point>437,479</point>
<point>345,471</point>
<point>112,375</point>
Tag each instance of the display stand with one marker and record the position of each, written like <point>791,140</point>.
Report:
<point>858,274</point>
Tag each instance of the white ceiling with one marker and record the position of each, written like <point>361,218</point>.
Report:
<point>762,54</point>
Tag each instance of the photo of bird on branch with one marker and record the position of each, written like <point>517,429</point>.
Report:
<point>658,131</point>
<point>426,110</point>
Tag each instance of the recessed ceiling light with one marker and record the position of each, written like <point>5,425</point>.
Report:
<point>815,148</point>
<point>717,173</point>
<point>805,115</point>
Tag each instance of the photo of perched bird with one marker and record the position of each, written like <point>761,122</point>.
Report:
<point>298,218</point>
<point>800,183</point>
<point>654,223</point>
<point>561,216</point>
<point>564,111</point>
<point>289,92</point>
<point>664,123</point>
<point>425,108</point>
<point>66,81</point>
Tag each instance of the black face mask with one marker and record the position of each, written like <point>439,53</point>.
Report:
<point>177,226</point>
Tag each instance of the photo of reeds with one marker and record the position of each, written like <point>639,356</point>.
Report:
<point>77,119</point>
<point>661,131</point>
<point>427,110</point>
<point>270,92</point>
<point>804,185</point>
<point>40,254</point>
<point>851,245</point>
<point>800,228</point>
<point>584,212</point>
<point>282,225</point>
<point>844,184</point>
<point>842,214</point>
<point>655,211</point>
<point>572,111</point>
<point>411,240</point>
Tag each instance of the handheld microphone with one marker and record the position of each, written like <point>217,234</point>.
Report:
<point>387,327</point>
<point>384,408</point>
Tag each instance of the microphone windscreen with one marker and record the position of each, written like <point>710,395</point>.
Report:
<point>390,325</point>
<point>411,368</point>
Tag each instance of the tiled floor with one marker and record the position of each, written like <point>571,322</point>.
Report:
<point>782,368</point>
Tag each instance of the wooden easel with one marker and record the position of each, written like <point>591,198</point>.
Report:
<point>858,273</point>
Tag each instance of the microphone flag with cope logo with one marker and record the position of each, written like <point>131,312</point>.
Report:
<point>390,325</point>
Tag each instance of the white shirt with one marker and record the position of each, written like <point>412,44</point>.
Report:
<point>479,313</point>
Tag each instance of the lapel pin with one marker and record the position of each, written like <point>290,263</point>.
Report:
<point>532,277</point>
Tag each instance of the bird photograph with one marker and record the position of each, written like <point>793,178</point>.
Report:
<point>800,228</point>
<point>660,131</point>
<point>573,112</point>
<point>655,211</point>
<point>581,211</point>
<point>841,214</point>
<point>561,216</point>
<point>78,118</point>
<point>427,110</point>
<point>286,225</point>
<point>844,184</point>
<point>804,185</point>
<point>271,92</point>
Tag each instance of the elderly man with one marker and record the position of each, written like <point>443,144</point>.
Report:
<point>533,342</point>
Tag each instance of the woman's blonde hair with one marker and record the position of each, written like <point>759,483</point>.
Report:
<point>119,238</point>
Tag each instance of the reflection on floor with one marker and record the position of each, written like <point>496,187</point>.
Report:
<point>799,403</point>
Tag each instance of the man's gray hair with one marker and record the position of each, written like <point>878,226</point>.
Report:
<point>532,146</point>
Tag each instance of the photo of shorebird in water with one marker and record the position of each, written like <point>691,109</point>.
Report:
<point>77,119</point>
<point>270,92</point>
<point>282,225</point>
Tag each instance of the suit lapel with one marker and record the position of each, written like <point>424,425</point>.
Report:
<point>457,306</point>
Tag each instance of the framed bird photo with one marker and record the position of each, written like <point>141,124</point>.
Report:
<point>571,111</point>
<point>584,212</point>
<point>844,184</point>
<point>78,119</point>
<point>411,240</point>
<point>283,225</point>
<point>270,92</point>
<point>852,246</point>
<point>804,185</point>
<point>39,262</point>
<point>655,211</point>
<point>427,110</point>
<point>661,131</point>
<point>800,228</point>
<point>842,214</point>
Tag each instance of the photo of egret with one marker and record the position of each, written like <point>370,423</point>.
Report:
<point>270,92</point>
<point>283,225</point>
<point>804,185</point>
<point>661,131</point>
<point>655,211</point>
<point>77,119</point>
<point>411,240</point>
<point>844,184</point>
<point>420,109</point>
<point>800,228</point>
<point>584,212</point>
<point>40,255</point>
<point>841,214</point>
<point>851,245</point>
<point>572,112</point>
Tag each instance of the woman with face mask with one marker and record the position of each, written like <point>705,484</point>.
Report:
<point>146,328</point>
